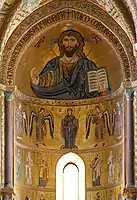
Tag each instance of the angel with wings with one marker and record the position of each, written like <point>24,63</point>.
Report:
<point>41,117</point>
<point>99,119</point>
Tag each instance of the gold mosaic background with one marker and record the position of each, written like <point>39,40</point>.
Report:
<point>43,49</point>
<point>52,152</point>
<point>17,61</point>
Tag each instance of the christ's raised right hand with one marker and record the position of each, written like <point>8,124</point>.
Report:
<point>34,77</point>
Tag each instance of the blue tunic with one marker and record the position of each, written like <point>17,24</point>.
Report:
<point>74,86</point>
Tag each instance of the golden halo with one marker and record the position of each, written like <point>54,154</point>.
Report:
<point>68,27</point>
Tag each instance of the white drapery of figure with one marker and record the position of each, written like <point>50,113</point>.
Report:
<point>111,167</point>
<point>96,171</point>
<point>29,164</point>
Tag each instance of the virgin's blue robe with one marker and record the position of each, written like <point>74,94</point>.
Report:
<point>74,86</point>
<point>69,130</point>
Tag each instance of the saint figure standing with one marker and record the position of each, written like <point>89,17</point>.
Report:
<point>111,168</point>
<point>29,165</point>
<point>69,129</point>
<point>43,172</point>
<point>96,170</point>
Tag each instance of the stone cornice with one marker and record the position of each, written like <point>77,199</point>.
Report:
<point>81,102</point>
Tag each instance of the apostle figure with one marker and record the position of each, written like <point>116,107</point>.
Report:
<point>20,121</point>
<point>118,120</point>
<point>96,170</point>
<point>29,165</point>
<point>69,129</point>
<point>43,172</point>
<point>112,197</point>
<point>18,165</point>
<point>120,166</point>
<point>27,197</point>
<point>120,196</point>
<point>42,197</point>
<point>67,76</point>
<point>111,168</point>
<point>18,196</point>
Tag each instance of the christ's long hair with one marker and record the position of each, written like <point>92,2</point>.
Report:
<point>78,36</point>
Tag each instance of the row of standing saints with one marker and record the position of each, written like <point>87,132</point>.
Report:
<point>97,196</point>
<point>43,172</point>
<point>69,124</point>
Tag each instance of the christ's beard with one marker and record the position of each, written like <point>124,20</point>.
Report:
<point>69,52</point>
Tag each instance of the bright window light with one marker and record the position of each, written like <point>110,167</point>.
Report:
<point>70,177</point>
<point>71,183</point>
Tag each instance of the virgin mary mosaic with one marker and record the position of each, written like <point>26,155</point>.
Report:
<point>70,75</point>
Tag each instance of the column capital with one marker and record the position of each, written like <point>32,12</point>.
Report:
<point>130,193</point>
<point>129,93</point>
<point>7,193</point>
<point>9,95</point>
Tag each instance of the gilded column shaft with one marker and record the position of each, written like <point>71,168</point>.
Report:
<point>130,139</point>
<point>8,140</point>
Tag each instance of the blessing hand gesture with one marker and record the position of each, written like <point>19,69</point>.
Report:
<point>34,77</point>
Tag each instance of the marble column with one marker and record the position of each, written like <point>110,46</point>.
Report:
<point>129,139</point>
<point>7,192</point>
<point>2,137</point>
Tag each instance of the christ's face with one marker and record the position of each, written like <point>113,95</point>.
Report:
<point>70,44</point>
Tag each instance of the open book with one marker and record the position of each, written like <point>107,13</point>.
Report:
<point>97,80</point>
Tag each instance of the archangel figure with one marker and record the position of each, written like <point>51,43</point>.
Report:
<point>41,117</point>
<point>69,129</point>
<point>96,170</point>
<point>99,119</point>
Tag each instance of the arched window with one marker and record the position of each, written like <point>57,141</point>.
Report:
<point>71,182</point>
<point>70,178</point>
